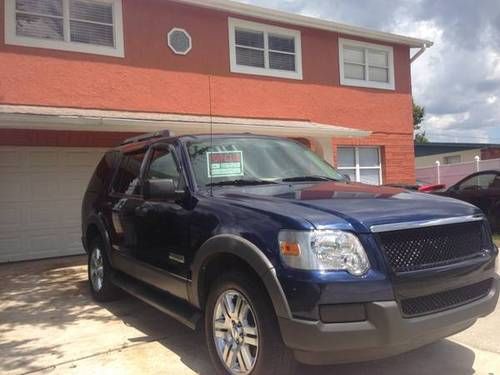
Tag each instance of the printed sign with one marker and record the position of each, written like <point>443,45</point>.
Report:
<point>225,164</point>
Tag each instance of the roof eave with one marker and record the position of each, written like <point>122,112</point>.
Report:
<point>305,21</point>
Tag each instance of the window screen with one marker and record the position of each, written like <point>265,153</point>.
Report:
<point>40,19</point>
<point>89,22</point>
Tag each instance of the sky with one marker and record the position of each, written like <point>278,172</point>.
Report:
<point>458,79</point>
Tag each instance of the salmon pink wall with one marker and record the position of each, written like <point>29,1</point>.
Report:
<point>153,79</point>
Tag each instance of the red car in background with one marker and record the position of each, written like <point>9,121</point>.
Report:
<point>481,189</point>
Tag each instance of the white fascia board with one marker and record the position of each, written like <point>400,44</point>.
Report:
<point>50,118</point>
<point>305,21</point>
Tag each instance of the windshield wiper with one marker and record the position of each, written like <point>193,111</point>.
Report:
<point>242,183</point>
<point>308,178</point>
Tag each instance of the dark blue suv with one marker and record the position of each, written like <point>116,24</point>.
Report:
<point>278,256</point>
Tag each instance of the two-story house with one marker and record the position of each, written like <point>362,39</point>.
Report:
<point>78,76</point>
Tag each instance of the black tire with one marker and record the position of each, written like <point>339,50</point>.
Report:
<point>273,357</point>
<point>107,292</point>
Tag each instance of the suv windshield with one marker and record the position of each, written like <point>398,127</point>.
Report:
<point>254,161</point>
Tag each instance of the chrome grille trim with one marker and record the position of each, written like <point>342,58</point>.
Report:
<point>425,223</point>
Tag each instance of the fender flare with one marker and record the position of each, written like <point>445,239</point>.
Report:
<point>97,220</point>
<point>250,254</point>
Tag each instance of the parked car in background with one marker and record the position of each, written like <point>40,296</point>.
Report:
<point>421,186</point>
<point>278,256</point>
<point>481,189</point>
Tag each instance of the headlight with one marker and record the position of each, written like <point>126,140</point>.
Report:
<point>324,251</point>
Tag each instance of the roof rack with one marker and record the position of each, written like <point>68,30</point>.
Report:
<point>145,137</point>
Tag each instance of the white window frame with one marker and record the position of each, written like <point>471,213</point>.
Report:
<point>357,167</point>
<point>235,23</point>
<point>12,38</point>
<point>366,83</point>
<point>188,36</point>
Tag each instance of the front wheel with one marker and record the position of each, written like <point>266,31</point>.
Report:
<point>241,329</point>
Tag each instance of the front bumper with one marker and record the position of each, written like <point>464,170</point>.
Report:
<point>385,332</point>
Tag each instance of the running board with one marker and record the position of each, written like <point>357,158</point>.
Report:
<point>166,303</point>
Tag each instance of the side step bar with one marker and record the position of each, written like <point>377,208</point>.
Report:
<point>166,303</point>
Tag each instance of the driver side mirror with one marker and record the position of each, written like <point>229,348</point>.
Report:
<point>347,177</point>
<point>162,189</point>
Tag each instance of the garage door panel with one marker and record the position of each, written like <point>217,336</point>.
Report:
<point>70,215</point>
<point>80,159</point>
<point>41,193</point>
<point>43,158</point>
<point>10,158</point>
<point>14,187</point>
<point>44,187</point>
<point>10,217</point>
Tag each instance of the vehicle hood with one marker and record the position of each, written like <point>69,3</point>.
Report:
<point>335,205</point>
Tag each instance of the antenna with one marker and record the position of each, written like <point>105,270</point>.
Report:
<point>211,129</point>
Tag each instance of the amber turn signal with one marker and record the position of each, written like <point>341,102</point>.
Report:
<point>290,249</point>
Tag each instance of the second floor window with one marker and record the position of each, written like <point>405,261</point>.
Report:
<point>91,26</point>
<point>264,50</point>
<point>366,65</point>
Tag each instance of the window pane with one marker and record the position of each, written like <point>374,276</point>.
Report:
<point>280,43</point>
<point>90,33</point>
<point>39,27</point>
<point>250,38</point>
<point>164,166</point>
<point>350,172</point>
<point>480,182</point>
<point>378,58</point>
<point>353,71</point>
<point>379,74</point>
<point>354,55</point>
<point>48,7</point>
<point>346,157</point>
<point>452,159</point>
<point>92,11</point>
<point>369,157</point>
<point>281,61</point>
<point>250,57</point>
<point>370,176</point>
<point>127,178</point>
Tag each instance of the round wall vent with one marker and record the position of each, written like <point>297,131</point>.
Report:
<point>179,41</point>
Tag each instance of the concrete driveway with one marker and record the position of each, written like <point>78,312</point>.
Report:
<point>50,325</point>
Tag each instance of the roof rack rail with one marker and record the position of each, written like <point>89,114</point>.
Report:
<point>145,137</point>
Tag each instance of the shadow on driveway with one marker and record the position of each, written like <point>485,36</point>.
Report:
<point>49,321</point>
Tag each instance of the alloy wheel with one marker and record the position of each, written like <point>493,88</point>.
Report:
<point>235,332</point>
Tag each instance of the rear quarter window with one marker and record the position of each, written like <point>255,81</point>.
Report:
<point>104,172</point>
<point>126,180</point>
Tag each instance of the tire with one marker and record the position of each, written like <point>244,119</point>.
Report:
<point>100,273</point>
<point>268,354</point>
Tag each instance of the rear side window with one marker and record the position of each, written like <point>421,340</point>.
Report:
<point>103,172</point>
<point>127,177</point>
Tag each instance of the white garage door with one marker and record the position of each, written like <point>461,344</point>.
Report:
<point>41,190</point>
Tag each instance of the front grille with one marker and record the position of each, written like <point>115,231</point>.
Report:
<point>445,300</point>
<point>420,248</point>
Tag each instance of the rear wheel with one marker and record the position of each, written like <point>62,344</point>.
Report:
<point>241,329</point>
<point>100,272</point>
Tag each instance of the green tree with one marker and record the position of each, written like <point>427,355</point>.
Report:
<point>418,117</point>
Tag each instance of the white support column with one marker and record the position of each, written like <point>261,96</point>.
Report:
<point>438,171</point>
<point>477,160</point>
